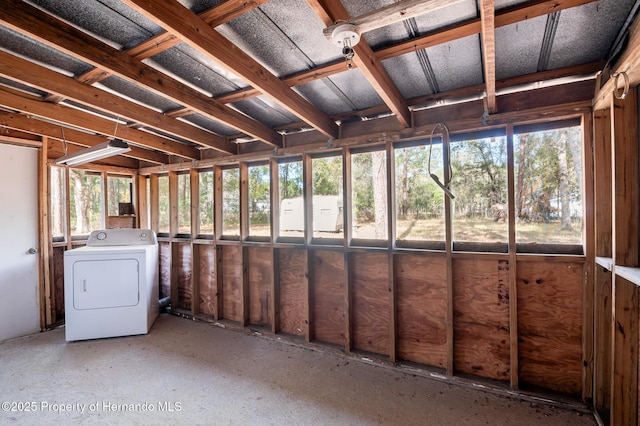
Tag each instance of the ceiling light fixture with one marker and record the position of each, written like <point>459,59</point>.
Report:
<point>345,36</point>
<point>97,152</point>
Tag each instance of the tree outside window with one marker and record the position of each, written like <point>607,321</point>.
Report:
<point>85,198</point>
<point>231,202</point>
<point>479,184</point>
<point>369,195</point>
<point>548,186</point>
<point>163,205</point>
<point>419,201</point>
<point>206,202</point>
<point>184,204</point>
<point>57,199</point>
<point>259,201</point>
<point>119,191</point>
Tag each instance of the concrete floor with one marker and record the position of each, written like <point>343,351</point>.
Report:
<point>186,372</point>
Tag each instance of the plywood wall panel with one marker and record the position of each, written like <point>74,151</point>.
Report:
<point>164,250</point>
<point>602,340</point>
<point>260,277</point>
<point>421,296</point>
<point>207,278</point>
<point>370,301</point>
<point>550,325</point>
<point>231,273</point>
<point>481,317</point>
<point>182,262</point>
<point>293,294</point>
<point>327,274</point>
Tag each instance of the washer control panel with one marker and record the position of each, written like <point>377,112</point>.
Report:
<point>122,237</point>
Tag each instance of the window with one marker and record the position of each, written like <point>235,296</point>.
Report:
<point>327,197</point>
<point>290,181</point>
<point>479,183</point>
<point>120,198</point>
<point>419,200</point>
<point>548,186</point>
<point>85,198</point>
<point>205,216</point>
<point>369,195</point>
<point>184,204</point>
<point>259,201</point>
<point>57,197</point>
<point>163,205</point>
<point>231,202</point>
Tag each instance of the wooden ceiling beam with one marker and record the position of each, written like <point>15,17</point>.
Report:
<point>189,28</point>
<point>507,16</point>
<point>503,17</point>
<point>367,62</point>
<point>34,75</point>
<point>488,38</point>
<point>93,123</point>
<point>54,132</point>
<point>32,22</point>
<point>214,16</point>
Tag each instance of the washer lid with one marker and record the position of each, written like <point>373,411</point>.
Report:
<point>122,237</point>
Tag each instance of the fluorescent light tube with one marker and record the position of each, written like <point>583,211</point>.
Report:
<point>96,152</point>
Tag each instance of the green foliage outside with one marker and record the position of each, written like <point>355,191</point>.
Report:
<point>231,201</point>
<point>119,191</point>
<point>85,198</point>
<point>206,202</point>
<point>163,204</point>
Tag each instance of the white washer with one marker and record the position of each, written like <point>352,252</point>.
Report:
<point>111,285</point>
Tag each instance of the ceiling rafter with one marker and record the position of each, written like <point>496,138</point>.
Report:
<point>503,17</point>
<point>192,30</point>
<point>365,59</point>
<point>44,79</point>
<point>214,16</point>
<point>92,123</point>
<point>488,37</point>
<point>32,22</point>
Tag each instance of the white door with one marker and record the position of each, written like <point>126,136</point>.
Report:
<point>19,266</point>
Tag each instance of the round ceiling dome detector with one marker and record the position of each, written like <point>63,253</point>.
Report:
<point>344,32</point>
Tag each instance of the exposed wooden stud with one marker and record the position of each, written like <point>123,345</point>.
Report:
<point>275,291</point>
<point>173,205</point>
<point>44,239</point>
<point>142,210</point>
<point>219,293</point>
<point>625,190</point>
<point>307,196</point>
<point>626,338</point>
<point>513,281</point>
<point>448,253</point>
<point>217,201</point>
<point>244,200</point>
<point>589,276</point>
<point>308,285</point>
<point>274,188</point>
<point>244,288</point>
<point>391,232</point>
<point>194,185</point>
<point>154,195</point>
<point>348,304</point>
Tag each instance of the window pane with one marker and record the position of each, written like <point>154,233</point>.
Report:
<point>259,201</point>
<point>369,194</point>
<point>163,204</point>
<point>231,202</point>
<point>419,201</point>
<point>57,192</point>
<point>548,186</point>
<point>184,204</point>
<point>291,204</point>
<point>206,202</point>
<point>85,197</point>
<point>327,197</point>
<point>479,184</point>
<point>119,188</point>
